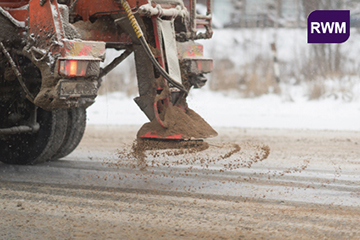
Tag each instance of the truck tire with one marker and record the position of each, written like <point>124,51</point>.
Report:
<point>39,147</point>
<point>74,132</point>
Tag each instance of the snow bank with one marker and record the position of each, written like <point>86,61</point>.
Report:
<point>268,111</point>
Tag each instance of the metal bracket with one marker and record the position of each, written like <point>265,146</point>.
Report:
<point>204,20</point>
<point>33,126</point>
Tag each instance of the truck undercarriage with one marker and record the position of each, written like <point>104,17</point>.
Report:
<point>50,54</point>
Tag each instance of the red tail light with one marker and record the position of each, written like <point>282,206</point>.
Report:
<point>73,68</point>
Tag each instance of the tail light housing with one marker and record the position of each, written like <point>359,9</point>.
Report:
<point>78,67</point>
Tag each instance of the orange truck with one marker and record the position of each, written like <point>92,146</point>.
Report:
<point>50,55</point>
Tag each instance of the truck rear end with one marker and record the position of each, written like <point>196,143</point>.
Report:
<point>50,72</point>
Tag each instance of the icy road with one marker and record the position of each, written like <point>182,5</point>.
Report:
<point>307,187</point>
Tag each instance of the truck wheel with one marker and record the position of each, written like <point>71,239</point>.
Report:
<point>74,132</point>
<point>38,147</point>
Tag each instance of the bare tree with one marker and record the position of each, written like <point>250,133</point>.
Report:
<point>310,6</point>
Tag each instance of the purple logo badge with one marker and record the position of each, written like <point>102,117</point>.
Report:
<point>329,26</point>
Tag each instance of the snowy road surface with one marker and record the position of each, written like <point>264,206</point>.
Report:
<point>308,187</point>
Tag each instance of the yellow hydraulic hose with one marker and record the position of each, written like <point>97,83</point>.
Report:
<point>140,36</point>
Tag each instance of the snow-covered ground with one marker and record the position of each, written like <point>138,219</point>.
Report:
<point>292,109</point>
<point>268,111</point>
<point>249,49</point>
